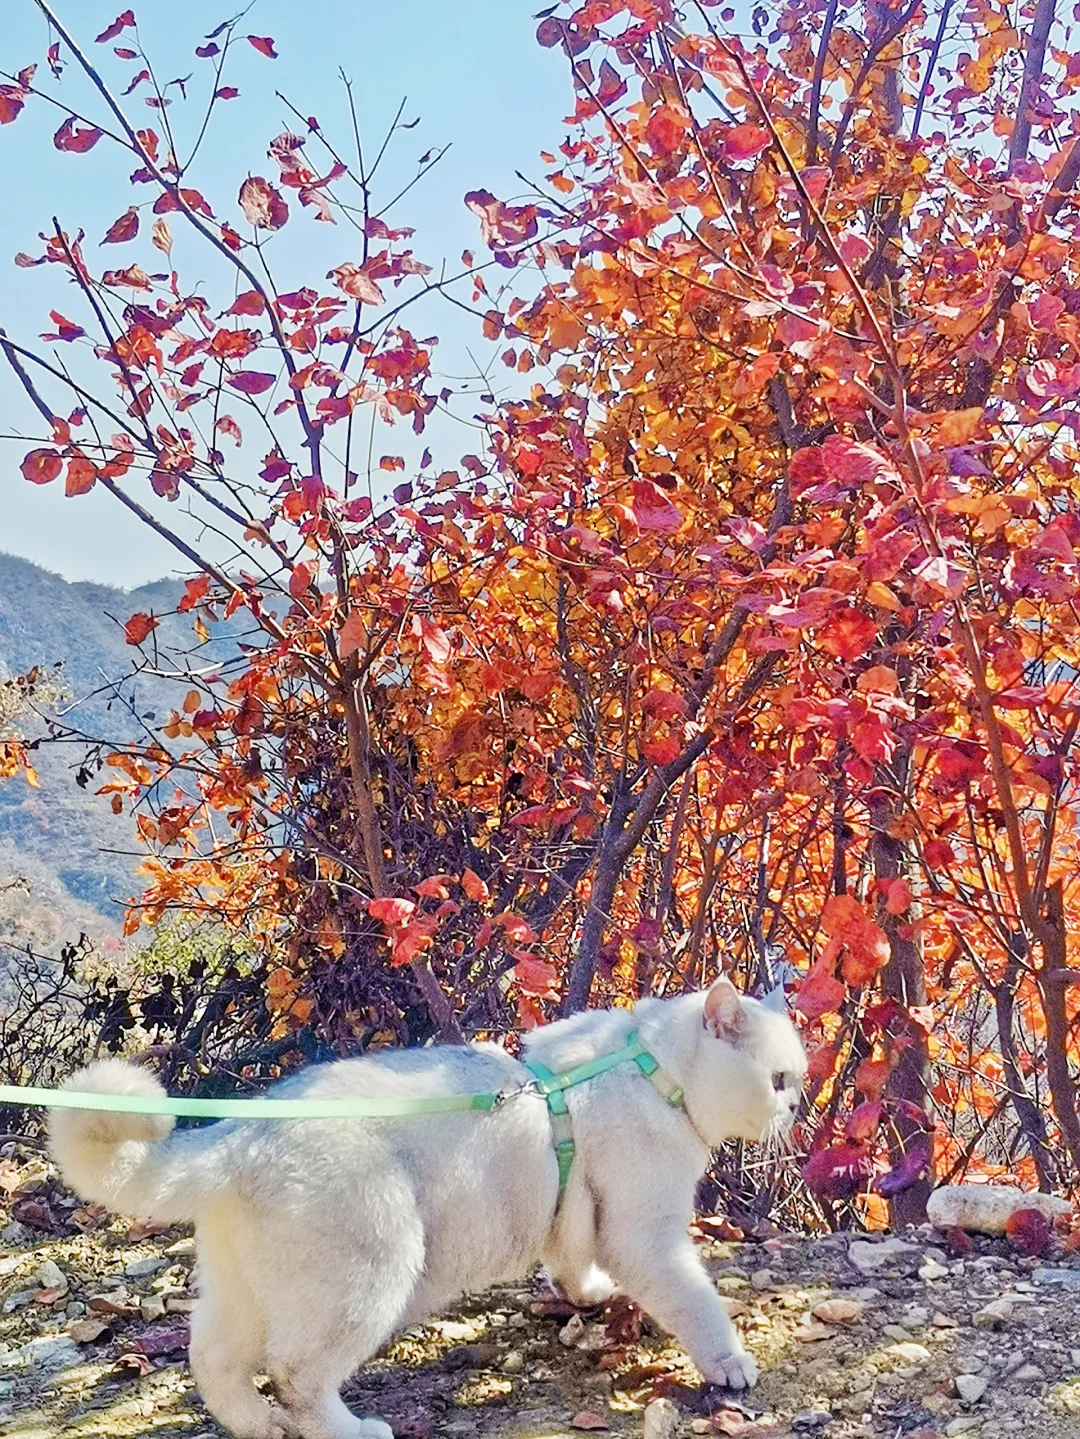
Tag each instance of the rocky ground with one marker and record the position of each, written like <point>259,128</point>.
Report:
<point>857,1337</point>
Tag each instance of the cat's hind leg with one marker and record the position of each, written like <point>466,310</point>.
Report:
<point>227,1343</point>
<point>346,1294</point>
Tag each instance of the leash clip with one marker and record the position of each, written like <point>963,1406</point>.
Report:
<point>502,1096</point>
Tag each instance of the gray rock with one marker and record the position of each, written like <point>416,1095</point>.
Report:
<point>49,1353</point>
<point>143,1268</point>
<point>966,1424</point>
<point>994,1315</point>
<point>152,1307</point>
<point>514,1362</point>
<point>182,1246</point>
<point>16,1235</point>
<point>1068,1277</point>
<point>51,1276</point>
<point>808,1420</point>
<point>970,1387</point>
<point>869,1258</point>
<point>19,1300</point>
<point>1028,1374</point>
<point>896,1331</point>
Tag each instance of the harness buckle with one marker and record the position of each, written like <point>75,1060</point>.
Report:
<point>503,1095</point>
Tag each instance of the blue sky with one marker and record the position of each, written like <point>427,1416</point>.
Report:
<point>473,74</point>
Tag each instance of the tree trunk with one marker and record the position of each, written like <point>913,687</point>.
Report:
<point>1052,978</point>
<point>904,980</point>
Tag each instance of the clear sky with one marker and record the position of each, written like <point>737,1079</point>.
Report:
<point>473,74</point>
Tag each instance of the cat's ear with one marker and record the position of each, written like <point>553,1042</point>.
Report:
<point>724,1012</point>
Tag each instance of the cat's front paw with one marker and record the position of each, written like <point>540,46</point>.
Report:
<point>737,1370</point>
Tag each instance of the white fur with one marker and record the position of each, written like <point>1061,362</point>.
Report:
<point>320,1239</point>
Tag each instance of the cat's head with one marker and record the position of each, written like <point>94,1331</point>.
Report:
<point>749,1068</point>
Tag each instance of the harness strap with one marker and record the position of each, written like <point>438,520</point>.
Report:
<point>553,1086</point>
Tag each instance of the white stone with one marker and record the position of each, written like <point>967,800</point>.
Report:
<point>970,1387</point>
<point>931,1270</point>
<point>661,1420</point>
<point>910,1353</point>
<point>987,1208</point>
<point>994,1315</point>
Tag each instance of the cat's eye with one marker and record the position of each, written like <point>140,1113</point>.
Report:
<point>779,1082</point>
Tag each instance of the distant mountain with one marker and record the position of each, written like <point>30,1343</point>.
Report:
<point>78,857</point>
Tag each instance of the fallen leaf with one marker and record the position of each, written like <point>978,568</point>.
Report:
<point>85,1331</point>
<point>586,1419</point>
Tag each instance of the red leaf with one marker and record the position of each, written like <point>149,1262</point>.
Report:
<point>76,141</point>
<point>194,591</point>
<point>938,853</point>
<point>227,92</point>
<point>435,641</point>
<point>391,911</point>
<point>653,510</point>
<point>413,940</point>
<point>301,579</point>
<point>12,99</point>
<point>848,634</point>
<point>661,751</point>
<point>839,1171</point>
<point>81,476</point>
<point>262,203</point>
<point>355,281</point>
<point>911,1167</point>
<point>872,1076</point>
<point>251,382</point>
<point>864,1121</point>
<point>126,228</point>
<point>898,898</point>
<point>820,993</point>
<point>535,976</point>
<point>264,45</point>
<point>41,466</point>
<point>501,225</point>
<point>474,887</point>
<point>352,636</point>
<point>434,887</point>
<point>228,426</point>
<point>122,22</point>
<point>1029,1232</point>
<point>138,627</point>
<point>248,303</point>
<point>65,329</point>
<point>586,1419</point>
<point>743,142</point>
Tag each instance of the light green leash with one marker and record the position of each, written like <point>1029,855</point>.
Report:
<point>372,1108</point>
<point>551,1087</point>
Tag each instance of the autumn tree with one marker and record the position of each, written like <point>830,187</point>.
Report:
<point>751,627</point>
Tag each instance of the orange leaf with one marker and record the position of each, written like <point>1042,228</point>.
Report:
<point>391,911</point>
<point>138,627</point>
<point>352,636</point>
<point>474,887</point>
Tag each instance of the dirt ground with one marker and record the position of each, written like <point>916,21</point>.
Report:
<point>856,1338</point>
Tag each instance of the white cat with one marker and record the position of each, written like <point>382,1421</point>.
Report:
<point>318,1240</point>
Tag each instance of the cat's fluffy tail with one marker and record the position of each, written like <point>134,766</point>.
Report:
<point>124,1161</point>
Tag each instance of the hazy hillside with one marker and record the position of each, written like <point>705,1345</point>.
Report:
<point>78,857</point>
